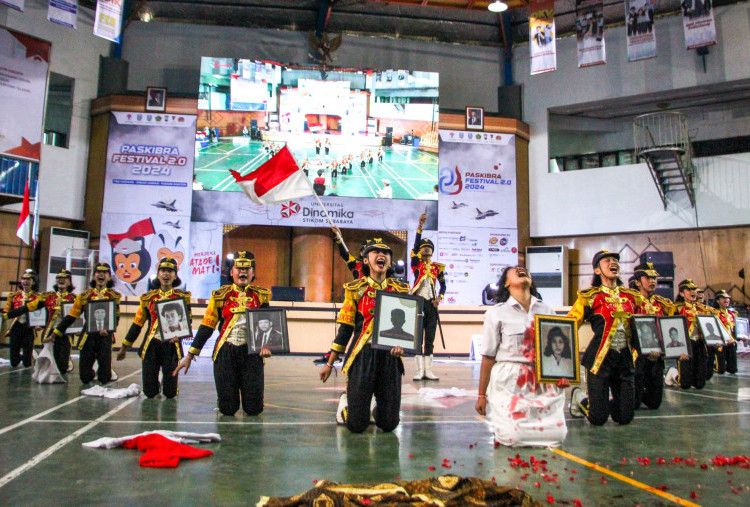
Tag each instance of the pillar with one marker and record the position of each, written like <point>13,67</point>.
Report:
<point>312,262</point>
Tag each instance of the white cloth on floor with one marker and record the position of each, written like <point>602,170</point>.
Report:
<point>45,369</point>
<point>108,392</point>
<point>432,393</point>
<point>183,437</point>
<point>4,362</point>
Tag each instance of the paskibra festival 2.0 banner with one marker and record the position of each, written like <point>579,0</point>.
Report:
<point>641,31</point>
<point>542,46</point>
<point>147,196</point>
<point>698,23</point>
<point>590,33</point>
<point>478,234</point>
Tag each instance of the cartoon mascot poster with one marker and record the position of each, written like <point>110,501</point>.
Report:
<point>131,261</point>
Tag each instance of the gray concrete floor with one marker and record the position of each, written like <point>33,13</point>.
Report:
<point>296,442</point>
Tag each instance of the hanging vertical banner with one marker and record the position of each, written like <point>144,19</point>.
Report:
<point>63,12</point>
<point>590,33</point>
<point>639,20</point>
<point>14,4</point>
<point>24,64</point>
<point>542,36</point>
<point>108,19</point>
<point>205,258</point>
<point>698,23</point>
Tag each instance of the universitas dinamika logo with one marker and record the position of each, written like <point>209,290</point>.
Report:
<point>287,210</point>
<point>450,181</point>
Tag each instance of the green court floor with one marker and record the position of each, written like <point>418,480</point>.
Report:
<point>412,173</point>
<point>296,442</point>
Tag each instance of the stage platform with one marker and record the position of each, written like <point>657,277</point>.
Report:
<point>295,442</point>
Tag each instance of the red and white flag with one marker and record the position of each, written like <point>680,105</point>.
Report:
<point>278,180</point>
<point>24,221</point>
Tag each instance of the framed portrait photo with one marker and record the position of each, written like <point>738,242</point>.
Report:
<point>173,319</point>
<point>556,345</point>
<point>100,315</point>
<point>78,325</point>
<point>741,328</point>
<point>725,334</point>
<point>674,332</point>
<point>267,328</point>
<point>156,99</point>
<point>38,318</point>
<point>709,326</point>
<point>397,322</point>
<point>646,331</point>
<point>474,118</point>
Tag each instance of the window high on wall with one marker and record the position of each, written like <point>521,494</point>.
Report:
<point>59,110</point>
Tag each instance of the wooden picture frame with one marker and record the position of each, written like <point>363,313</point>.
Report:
<point>556,347</point>
<point>267,328</point>
<point>95,321</point>
<point>397,322</point>
<point>709,327</point>
<point>645,330</point>
<point>173,317</point>
<point>38,318</point>
<point>474,118</point>
<point>78,325</point>
<point>675,336</point>
<point>156,99</point>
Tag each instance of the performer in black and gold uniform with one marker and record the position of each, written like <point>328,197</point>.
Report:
<point>722,300</point>
<point>157,354</point>
<point>426,273</point>
<point>608,358</point>
<point>97,346</point>
<point>649,369</point>
<point>20,333</point>
<point>238,375</point>
<point>369,371</point>
<point>692,370</point>
<point>715,354</point>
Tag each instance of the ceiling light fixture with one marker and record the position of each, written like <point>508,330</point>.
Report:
<point>497,6</point>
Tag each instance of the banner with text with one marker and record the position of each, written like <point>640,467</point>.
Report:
<point>24,64</point>
<point>63,12</point>
<point>13,4</point>
<point>473,259</point>
<point>590,33</point>
<point>108,19</point>
<point>133,244</point>
<point>206,258</point>
<point>698,23</point>
<point>542,36</point>
<point>150,164</point>
<point>639,20</point>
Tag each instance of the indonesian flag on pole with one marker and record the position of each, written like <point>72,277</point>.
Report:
<point>24,221</point>
<point>278,180</point>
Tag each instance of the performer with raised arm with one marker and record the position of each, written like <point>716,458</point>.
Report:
<point>691,371</point>
<point>521,411</point>
<point>369,371</point>
<point>238,375</point>
<point>608,358</point>
<point>21,334</point>
<point>722,301</point>
<point>649,370</point>
<point>354,264</point>
<point>426,274</point>
<point>96,347</point>
<point>157,355</point>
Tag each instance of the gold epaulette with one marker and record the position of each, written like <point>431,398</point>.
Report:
<point>263,294</point>
<point>355,285</point>
<point>182,293</point>
<point>588,293</point>
<point>398,285</point>
<point>441,267</point>
<point>220,293</point>
<point>45,295</point>
<point>663,300</point>
<point>148,295</point>
<point>115,295</point>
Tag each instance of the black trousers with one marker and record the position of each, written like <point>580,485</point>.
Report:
<point>717,360</point>
<point>61,351</point>
<point>374,372</point>
<point>96,348</point>
<point>160,356</point>
<point>21,344</point>
<point>692,372</point>
<point>649,382</point>
<point>429,325</point>
<point>238,377</point>
<point>616,375</point>
<point>730,353</point>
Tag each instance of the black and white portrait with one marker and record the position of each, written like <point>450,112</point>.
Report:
<point>556,346</point>
<point>100,316</point>
<point>647,334</point>
<point>709,326</point>
<point>675,336</point>
<point>267,329</point>
<point>173,319</point>
<point>398,321</point>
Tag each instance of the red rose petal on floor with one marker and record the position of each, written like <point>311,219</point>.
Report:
<point>624,460</point>
<point>550,499</point>
<point>480,463</point>
<point>446,460</point>
<point>315,481</point>
<point>574,471</point>
<point>446,465</point>
<point>571,478</point>
<point>663,487</point>
<point>411,456</point>
<point>693,495</point>
<point>493,480</point>
<point>704,466</point>
<point>537,485</point>
<point>431,468</point>
<point>497,444</point>
<point>577,503</point>
<point>661,461</point>
<point>471,446</point>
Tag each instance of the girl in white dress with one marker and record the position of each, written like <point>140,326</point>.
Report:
<point>521,411</point>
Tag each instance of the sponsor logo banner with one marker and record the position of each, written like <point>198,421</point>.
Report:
<point>108,19</point>
<point>542,36</point>
<point>63,12</point>
<point>590,33</point>
<point>639,22</point>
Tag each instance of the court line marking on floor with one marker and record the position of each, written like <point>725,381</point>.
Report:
<point>708,396</point>
<point>688,416</point>
<point>417,165</point>
<point>16,370</point>
<point>627,480</point>
<point>401,181</point>
<point>247,423</point>
<point>50,410</point>
<point>60,444</point>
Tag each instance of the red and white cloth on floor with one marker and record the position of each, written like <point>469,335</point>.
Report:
<point>162,449</point>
